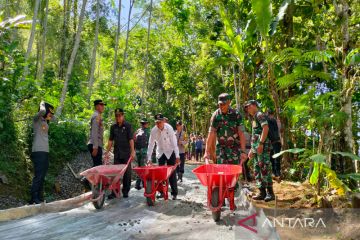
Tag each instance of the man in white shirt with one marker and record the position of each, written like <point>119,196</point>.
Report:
<point>167,150</point>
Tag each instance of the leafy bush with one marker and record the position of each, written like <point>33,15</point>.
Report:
<point>66,139</point>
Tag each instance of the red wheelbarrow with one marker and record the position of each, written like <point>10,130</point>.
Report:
<point>105,178</point>
<point>155,179</point>
<point>220,180</point>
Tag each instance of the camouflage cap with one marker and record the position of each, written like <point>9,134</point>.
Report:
<point>223,98</point>
<point>251,102</point>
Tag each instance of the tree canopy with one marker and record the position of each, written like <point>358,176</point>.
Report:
<point>300,58</point>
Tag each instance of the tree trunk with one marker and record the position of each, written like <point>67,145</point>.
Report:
<point>147,59</point>
<point>65,37</point>
<point>43,42</point>
<point>72,59</point>
<point>31,39</point>
<point>93,56</point>
<point>236,89</point>
<point>113,76</point>
<point>347,90</point>
<point>75,14</point>
<point>127,39</point>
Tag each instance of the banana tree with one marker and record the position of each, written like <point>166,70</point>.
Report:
<point>322,170</point>
<point>235,48</point>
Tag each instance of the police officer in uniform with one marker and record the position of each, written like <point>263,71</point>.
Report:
<point>121,136</point>
<point>226,126</point>
<point>260,151</point>
<point>95,144</point>
<point>141,138</point>
<point>40,150</point>
<point>181,141</point>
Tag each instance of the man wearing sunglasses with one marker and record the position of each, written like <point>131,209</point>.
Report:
<point>226,126</point>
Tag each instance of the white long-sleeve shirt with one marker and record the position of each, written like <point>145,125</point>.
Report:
<point>165,141</point>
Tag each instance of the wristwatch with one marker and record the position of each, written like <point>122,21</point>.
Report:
<point>262,143</point>
<point>242,151</point>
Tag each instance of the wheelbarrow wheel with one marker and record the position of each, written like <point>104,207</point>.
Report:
<point>215,203</point>
<point>148,190</point>
<point>95,194</point>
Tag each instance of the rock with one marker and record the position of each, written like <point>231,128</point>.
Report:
<point>230,228</point>
<point>3,178</point>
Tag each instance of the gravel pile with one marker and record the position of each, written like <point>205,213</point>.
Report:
<point>10,202</point>
<point>66,185</point>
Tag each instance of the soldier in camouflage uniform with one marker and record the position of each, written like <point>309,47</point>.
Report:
<point>141,143</point>
<point>260,151</point>
<point>227,127</point>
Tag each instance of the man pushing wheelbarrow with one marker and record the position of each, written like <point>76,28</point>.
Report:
<point>156,178</point>
<point>226,126</point>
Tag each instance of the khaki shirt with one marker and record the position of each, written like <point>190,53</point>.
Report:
<point>96,130</point>
<point>181,140</point>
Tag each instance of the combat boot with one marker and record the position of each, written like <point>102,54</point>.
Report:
<point>270,196</point>
<point>261,195</point>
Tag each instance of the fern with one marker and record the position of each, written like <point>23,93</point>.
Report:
<point>317,56</point>
<point>300,73</point>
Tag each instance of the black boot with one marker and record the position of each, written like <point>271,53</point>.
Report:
<point>261,195</point>
<point>270,196</point>
<point>180,176</point>
<point>137,185</point>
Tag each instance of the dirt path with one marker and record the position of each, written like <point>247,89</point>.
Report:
<point>186,218</point>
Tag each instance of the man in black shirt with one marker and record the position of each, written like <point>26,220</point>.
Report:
<point>121,137</point>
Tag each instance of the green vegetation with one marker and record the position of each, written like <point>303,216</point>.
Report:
<point>300,58</point>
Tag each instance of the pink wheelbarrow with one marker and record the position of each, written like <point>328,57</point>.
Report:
<point>105,178</point>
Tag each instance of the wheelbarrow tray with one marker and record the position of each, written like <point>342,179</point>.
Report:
<point>159,173</point>
<point>155,178</point>
<point>104,173</point>
<point>216,175</point>
<point>220,180</point>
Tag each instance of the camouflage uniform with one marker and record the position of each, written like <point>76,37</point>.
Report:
<point>141,143</point>
<point>262,163</point>
<point>226,127</point>
<point>141,151</point>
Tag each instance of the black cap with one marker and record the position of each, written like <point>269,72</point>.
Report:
<point>159,117</point>
<point>270,111</point>
<point>223,98</point>
<point>99,101</point>
<point>179,122</point>
<point>49,108</point>
<point>144,120</point>
<point>119,111</point>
